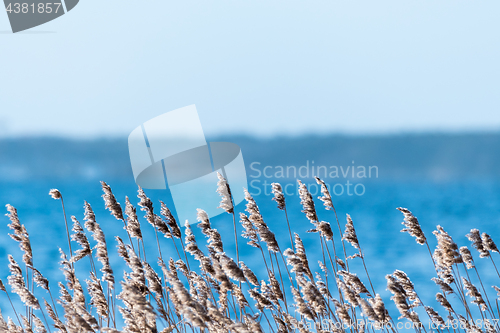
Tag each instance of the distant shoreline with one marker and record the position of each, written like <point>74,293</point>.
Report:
<point>409,156</point>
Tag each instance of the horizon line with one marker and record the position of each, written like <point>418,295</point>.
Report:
<point>407,133</point>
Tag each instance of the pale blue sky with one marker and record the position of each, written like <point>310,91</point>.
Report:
<point>263,67</point>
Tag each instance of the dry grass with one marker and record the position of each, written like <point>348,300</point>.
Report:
<point>203,289</point>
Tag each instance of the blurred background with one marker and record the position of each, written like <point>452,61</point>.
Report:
<point>409,87</point>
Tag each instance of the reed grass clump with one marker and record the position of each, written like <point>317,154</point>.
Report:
<point>204,286</point>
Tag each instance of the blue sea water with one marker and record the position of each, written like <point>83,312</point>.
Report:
<point>457,206</point>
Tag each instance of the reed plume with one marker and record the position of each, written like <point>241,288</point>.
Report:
<point>412,226</point>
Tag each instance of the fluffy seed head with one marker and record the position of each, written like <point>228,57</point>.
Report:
<point>278,195</point>
<point>225,193</point>
<point>350,233</point>
<point>412,226</point>
<point>55,194</point>
<point>467,257</point>
<point>326,197</point>
<point>110,202</point>
<point>475,237</point>
<point>488,243</point>
<point>307,202</point>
